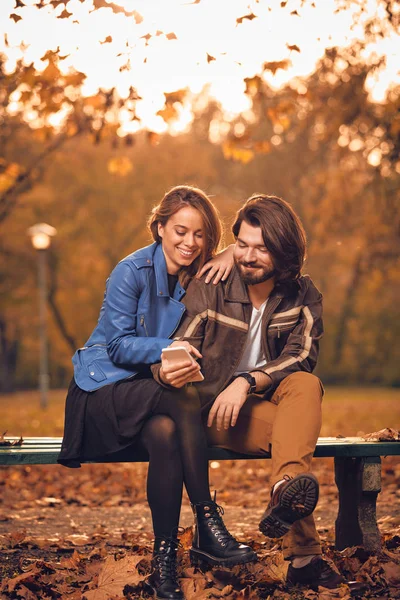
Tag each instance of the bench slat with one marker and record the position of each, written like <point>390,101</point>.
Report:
<point>44,451</point>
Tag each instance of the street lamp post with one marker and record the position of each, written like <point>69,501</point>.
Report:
<point>41,235</point>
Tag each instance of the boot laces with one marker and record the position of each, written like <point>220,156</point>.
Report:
<point>166,561</point>
<point>217,525</point>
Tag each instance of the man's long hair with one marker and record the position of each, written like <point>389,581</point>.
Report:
<point>282,232</point>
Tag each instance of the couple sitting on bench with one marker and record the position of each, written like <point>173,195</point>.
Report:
<point>255,332</point>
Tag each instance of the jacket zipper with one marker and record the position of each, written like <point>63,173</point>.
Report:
<point>270,308</point>
<point>177,325</point>
<point>143,324</point>
<point>92,346</point>
<point>236,366</point>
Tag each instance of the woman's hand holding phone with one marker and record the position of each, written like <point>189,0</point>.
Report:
<point>178,366</point>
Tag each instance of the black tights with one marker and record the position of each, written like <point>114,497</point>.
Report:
<point>175,441</point>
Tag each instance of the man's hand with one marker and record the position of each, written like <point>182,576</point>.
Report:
<point>178,374</point>
<point>227,405</point>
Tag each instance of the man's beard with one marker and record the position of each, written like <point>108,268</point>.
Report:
<point>252,278</point>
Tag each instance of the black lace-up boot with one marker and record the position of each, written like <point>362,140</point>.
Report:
<point>212,543</point>
<point>163,580</point>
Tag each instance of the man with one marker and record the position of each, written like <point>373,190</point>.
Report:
<point>258,333</point>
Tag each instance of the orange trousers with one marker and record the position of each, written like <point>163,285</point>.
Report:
<point>290,423</point>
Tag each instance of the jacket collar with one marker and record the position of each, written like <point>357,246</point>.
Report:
<point>236,290</point>
<point>160,269</point>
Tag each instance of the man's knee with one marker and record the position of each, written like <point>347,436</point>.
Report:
<point>307,382</point>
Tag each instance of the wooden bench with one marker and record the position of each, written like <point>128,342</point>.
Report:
<point>357,476</point>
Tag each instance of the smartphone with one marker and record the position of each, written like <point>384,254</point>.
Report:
<point>178,354</point>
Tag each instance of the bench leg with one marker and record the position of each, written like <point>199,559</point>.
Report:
<point>359,483</point>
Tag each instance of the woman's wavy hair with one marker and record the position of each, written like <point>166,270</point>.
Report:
<point>180,197</point>
<point>282,232</point>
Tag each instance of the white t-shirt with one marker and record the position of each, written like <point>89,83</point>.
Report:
<point>253,357</point>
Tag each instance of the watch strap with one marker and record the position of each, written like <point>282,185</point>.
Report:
<point>251,381</point>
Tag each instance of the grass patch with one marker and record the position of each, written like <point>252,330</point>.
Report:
<point>346,411</point>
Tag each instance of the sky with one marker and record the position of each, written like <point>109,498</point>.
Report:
<point>110,50</point>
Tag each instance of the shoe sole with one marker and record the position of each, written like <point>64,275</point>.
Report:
<point>198,558</point>
<point>297,501</point>
<point>148,588</point>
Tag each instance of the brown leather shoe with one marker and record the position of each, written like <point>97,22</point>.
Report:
<point>292,500</point>
<point>320,573</point>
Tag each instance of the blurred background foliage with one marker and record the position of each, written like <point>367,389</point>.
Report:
<point>318,142</point>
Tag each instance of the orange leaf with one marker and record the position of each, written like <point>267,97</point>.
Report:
<point>275,65</point>
<point>249,17</point>
<point>114,576</point>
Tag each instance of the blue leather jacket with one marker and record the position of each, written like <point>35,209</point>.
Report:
<point>137,319</point>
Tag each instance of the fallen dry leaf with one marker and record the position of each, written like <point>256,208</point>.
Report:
<point>114,576</point>
<point>186,538</point>
<point>4,442</point>
<point>383,435</point>
<point>392,573</point>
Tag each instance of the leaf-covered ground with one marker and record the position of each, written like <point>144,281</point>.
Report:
<point>71,534</point>
<point>74,533</point>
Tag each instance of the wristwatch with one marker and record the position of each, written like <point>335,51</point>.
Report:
<point>250,379</point>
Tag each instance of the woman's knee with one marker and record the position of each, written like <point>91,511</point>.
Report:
<point>160,433</point>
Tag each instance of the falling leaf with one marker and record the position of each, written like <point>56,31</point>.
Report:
<point>273,66</point>
<point>295,13</point>
<point>210,58</point>
<point>283,4</point>
<point>15,17</point>
<point>108,40</point>
<point>249,17</point>
<point>293,48</point>
<point>171,36</point>
<point>114,576</point>
<point>65,14</point>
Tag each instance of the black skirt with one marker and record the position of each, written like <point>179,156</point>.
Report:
<point>107,420</point>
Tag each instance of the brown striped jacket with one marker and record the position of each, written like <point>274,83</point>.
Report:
<point>217,319</point>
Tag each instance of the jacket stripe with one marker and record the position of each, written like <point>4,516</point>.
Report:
<point>214,316</point>
<point>293,312</point>
<point>306,349</point>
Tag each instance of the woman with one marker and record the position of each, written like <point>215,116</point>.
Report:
<point>113,402</point>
